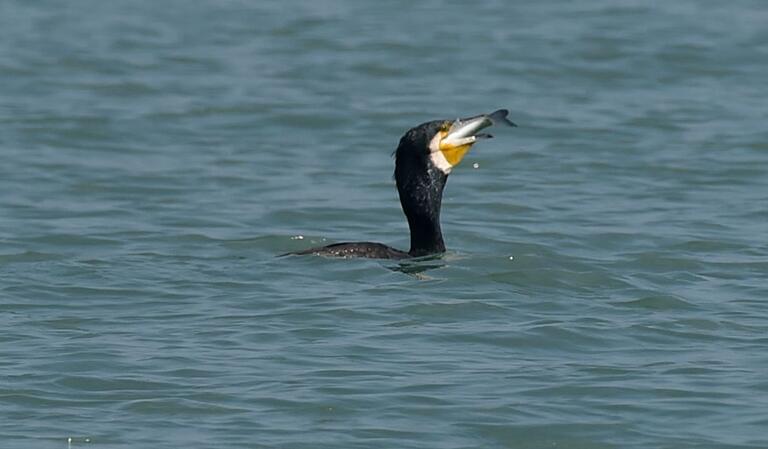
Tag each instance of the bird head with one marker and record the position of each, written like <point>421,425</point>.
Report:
<point>446,142</point>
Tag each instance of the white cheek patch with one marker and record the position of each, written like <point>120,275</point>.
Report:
<point>440,162</point>
<point>437,156</point>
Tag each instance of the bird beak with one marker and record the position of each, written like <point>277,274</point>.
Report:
<point>463,133</point>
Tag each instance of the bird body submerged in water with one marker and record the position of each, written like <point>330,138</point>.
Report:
<point>423,160</point>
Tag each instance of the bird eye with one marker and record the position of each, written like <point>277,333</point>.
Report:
<point>445,126</point>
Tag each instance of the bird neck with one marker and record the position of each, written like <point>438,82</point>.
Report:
<point>421,195</point>
<point>426,237</point>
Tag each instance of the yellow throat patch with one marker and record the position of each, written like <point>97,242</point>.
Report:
<point>454,154</point>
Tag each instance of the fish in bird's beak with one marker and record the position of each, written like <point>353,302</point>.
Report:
<point>457,137</point>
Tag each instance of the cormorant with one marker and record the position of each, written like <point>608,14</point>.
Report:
<point>423,160</point>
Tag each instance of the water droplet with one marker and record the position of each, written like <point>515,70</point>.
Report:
<point>476,165</point>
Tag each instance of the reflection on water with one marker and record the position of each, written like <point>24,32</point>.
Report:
<point>417,267</point>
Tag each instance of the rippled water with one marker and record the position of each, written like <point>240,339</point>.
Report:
<point>605,284</point>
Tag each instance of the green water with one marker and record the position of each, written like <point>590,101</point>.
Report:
<point>606,280</point>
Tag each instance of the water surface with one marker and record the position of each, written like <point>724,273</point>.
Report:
<point>605,283</point>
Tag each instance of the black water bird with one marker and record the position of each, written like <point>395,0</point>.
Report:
<point>423,160</point>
